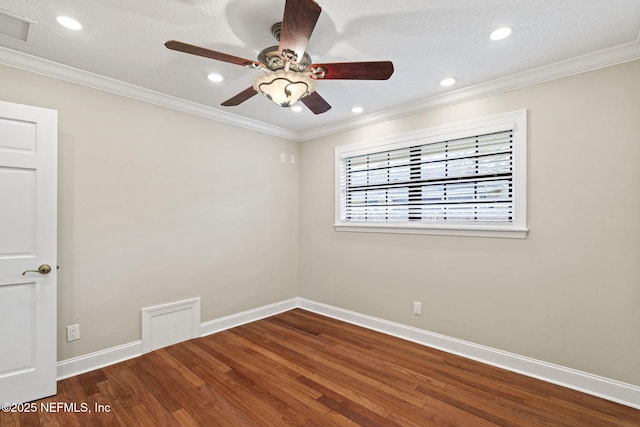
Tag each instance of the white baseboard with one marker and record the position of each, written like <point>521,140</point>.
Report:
<point>616,391</point>
<point>99,359</point>
<point>228,322</point>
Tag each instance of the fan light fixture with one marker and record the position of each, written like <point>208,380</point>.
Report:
<point>284,87</point>
<point>289,74</point>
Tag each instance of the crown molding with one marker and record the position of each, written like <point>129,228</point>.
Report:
<point>56,70</point>
<point>589,62</point>
<point>600,59</point>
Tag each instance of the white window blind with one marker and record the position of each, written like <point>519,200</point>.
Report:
<point>464,183</point>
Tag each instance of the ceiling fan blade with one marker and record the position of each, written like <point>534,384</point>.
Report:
<point>300,17</point>
<point>240,98</point>
<point>374,70</point>
<point>316,103</point>
<point>208,53</point>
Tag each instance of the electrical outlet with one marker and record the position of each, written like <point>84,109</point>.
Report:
<point>417,307</point>
<point>73,332</point>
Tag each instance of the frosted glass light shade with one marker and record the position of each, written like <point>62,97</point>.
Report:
<point>284,88</point>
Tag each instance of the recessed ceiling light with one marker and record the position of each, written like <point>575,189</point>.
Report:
<point>215,77</point>
<point>357,110</point>
<point>447,82</point>
<point>296,108</point>
<point>69,23</point>
<point>500,33</point>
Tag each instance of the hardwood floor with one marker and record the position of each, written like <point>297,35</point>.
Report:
<point>302,369</point>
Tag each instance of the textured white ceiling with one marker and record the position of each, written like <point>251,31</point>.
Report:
<point>426,40</point>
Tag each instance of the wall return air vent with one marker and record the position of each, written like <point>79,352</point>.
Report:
<point>14,26</point>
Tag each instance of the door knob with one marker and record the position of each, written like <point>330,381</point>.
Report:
<point>43,269</point>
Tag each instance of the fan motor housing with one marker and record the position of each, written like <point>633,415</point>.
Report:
<point>271,58</point>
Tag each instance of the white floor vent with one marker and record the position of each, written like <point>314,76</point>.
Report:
<point>167,324</point>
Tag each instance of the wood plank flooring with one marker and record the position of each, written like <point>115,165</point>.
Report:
<point>302,369</point>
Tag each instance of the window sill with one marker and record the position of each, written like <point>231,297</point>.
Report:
<point>449,230</point>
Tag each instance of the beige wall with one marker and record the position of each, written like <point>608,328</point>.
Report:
<point>157,206</point>
<point>152,210</point>
<point>568,294</point>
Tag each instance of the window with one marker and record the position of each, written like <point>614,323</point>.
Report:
<point>462,179</point>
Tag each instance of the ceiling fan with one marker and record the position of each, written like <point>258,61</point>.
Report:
<point>288,73</point>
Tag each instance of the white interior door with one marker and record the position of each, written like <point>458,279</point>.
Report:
<point>28,216</point>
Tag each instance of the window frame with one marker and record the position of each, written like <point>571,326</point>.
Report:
<point>515,121</point>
